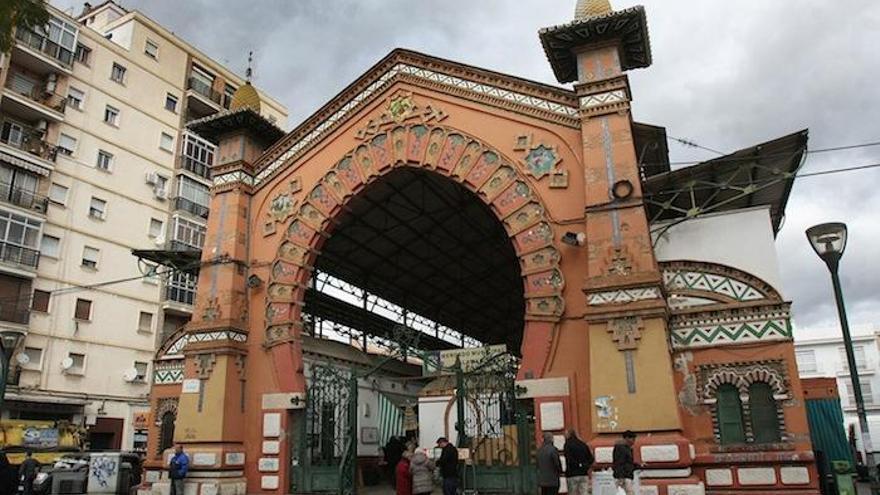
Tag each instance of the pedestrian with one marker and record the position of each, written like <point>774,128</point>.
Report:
<point>549,467</point>
<point>404,481</point>
<point>624,465</point>
<point>578,462</point>
<point>422,471</point>
<point>28,472</point>
<point>8,476</point>
<point>393,451</point>
<point>177,470</point>
<point>448,464</point>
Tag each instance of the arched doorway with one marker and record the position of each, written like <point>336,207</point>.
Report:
<point>451,235</point>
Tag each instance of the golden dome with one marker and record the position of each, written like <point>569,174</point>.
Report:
<point>245,97</point>
<point>591,8</point>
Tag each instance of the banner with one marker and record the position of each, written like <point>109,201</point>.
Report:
<point>443,362</point>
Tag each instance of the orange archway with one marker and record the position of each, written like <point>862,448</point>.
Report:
<point>446,152</point>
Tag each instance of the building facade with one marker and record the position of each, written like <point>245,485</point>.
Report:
<point>538,217</point>
<point>96,163</point>
<point>820,354</point>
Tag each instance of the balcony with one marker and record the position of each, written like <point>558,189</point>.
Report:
<point>28,100</point>
<point>27,141</point>
<point>20,256</point>
<point>181,246</point>
<point>190,207</point>
<point>203,100</point>
<point>14,312</point>
<point>40,54</point>
<point>180,295</point>
<point>195,166</point>
<point>23,198</point>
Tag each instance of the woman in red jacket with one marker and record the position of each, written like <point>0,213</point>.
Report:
<point>404,481</point>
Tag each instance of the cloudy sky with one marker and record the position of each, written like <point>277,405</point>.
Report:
<point>726,75</point>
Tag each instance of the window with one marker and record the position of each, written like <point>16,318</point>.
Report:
<point>182,287</point>
<point>83,54</point>
<point>62,33</point>
<point>83,310</point>
<point>75,98</point>
<point>49,246</point>
<point>66,144</point>
<point>187,234</point>
<point>145,322</point>
<point>90,257</point>
<point>35,357</point>
<point>171,103</point>
<point>58,194</point>
<point>730,416</point>
<point>166,142</point>
<point>861,359</point>
<point>12,134</point>
<point>763,413</point>
<point>18,186</point>
<point>40,301</point>
<point>156,227</point>
<point>97,208</point>
<point>111,115</point>
<point>118,73</point>
<point>104,161</point>
<point>197,155</point>
<point>197,196</point>
<point>151,49</point>
<point>867,392</point>
<point>166,432</point>
<point>19,231</point>
<point>141,369</point>
<point>806,361</point>
<point>79,363</point>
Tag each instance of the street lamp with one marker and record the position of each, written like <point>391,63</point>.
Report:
<point>9,340</point>
<point>829,242</point>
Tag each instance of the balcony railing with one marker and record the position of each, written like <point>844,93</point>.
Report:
<point>43,45</point>
<point>208,92</point>
<point>22,197</point>
<point>195,166</point>
<point>32,142</point>
<point>19,255</point>
<point>181,246</point>
<point>15,312</point>
<point>52,101</point>
<point>191,207</point>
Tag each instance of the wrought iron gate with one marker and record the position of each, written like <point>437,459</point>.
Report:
<point>497,428</point>
<point>326,447</point>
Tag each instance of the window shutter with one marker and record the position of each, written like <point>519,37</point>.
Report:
<point>765,423</point>
<point>730,417</point>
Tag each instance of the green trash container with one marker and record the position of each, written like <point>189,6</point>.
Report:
<point>843,476</point>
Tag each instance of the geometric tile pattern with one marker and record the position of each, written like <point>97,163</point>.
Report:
<point>592,101</point>
<point>165,376</point>
<point>386,79</point>
<point>730,329</point>
<point>680,279</point>
<point>624,296</point>
<point>227,334</point>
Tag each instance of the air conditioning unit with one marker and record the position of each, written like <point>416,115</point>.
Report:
<point>161,193</point>
<point>152,178</point>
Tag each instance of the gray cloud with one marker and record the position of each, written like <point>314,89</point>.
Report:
<point>725,74</point>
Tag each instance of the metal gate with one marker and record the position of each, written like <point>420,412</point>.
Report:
<point>326,454</point>
<point>497,429</point>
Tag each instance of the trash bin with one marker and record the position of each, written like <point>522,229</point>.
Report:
<point>843,475</point>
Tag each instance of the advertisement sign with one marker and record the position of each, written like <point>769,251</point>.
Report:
<point>444,361</point>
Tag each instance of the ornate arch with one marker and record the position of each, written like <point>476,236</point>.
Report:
<point>742,376</point>
<point>481,169</point>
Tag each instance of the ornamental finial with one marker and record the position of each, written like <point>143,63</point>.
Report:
<point>591,8</point>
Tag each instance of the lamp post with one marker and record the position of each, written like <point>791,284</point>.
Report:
<point>829,242</point>
<point>9,340</point>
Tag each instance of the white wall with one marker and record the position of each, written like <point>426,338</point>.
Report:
<point>741,239</point>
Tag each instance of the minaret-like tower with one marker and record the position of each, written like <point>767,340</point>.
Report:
<point>631,377</point>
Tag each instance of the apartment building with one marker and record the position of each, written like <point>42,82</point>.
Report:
<point>94,163</point>
<point>820,353</point>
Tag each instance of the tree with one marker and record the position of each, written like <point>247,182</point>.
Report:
<point>20,13</point>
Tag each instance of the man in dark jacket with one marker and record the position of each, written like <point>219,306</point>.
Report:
<point>448,464</point>
<point>624,464</point>
<point>578,462</point>
<point>549,467</point>
<point>28,471</point>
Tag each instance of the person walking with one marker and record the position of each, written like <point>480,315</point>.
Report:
<point>623,464</point>
<point>394,449</point>
<point>549,467</point>
<point>403,486</point>
<point>177,470</point>
<point>578,462</point>
<point>422,471</point>
<point>448,464</point>
<point>8,476</point>
<point>28,472</point>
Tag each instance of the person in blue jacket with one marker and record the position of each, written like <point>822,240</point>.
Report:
<point>177,470</point>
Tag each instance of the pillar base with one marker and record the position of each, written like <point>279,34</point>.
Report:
<point>201,486</point>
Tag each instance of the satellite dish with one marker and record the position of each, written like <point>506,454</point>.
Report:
<point>22,359</point>
<point>160,240</point>
<point>130,375</point>
<point>67,363</point>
